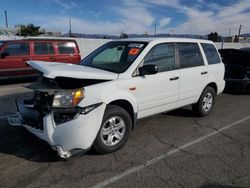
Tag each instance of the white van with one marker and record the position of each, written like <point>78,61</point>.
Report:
<point>98,102</point>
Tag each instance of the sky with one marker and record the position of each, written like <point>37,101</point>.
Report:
<point>131,16</point>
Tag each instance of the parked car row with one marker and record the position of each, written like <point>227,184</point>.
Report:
<point>15,54</point>
<point>97,103</point>
<point>237,64</point>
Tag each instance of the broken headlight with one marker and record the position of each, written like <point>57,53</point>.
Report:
<point>68,99</point>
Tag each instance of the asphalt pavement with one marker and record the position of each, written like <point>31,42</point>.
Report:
<point>174,149</point>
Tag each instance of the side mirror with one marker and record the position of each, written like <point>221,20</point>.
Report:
<point>148,69</point>
<point>4,54</point>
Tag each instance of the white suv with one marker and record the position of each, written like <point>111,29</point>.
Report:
<point>98,102</point>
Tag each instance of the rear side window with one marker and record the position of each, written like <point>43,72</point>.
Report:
<point>66,47</point>
<point>17,49</point>
<point>162,55</point>
<point>189,55</point>
<point>43,48</point>
<point>211,53</point>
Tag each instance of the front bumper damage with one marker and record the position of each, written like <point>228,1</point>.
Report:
<point>67,136</point>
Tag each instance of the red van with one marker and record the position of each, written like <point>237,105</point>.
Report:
<point>15,53</point>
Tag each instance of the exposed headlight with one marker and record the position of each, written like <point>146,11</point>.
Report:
<point>68,99</point>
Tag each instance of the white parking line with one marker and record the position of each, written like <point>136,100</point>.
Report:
<point>10,88</point>
<point>164,156</point>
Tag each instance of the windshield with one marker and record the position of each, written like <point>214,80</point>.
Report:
<point>114,56</point>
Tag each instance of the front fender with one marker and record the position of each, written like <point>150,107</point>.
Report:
<point>107,93</point>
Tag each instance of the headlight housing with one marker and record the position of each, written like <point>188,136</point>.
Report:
<point>68,99</point>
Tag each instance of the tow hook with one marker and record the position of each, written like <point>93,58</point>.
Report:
<point>63,154</point>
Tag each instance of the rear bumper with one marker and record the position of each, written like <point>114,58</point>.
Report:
<point>66,138</point>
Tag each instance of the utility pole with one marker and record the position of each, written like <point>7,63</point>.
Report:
<point>239,31</point>
<point>69,27</point>
<point>155,29</point>
<point>229,34</point>
<point>6,18</point>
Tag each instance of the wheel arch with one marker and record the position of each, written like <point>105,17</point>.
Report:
<point>214,86</point>
<point>125,104</point>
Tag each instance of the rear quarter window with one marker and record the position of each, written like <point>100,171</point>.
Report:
<point>211,53</point>
<point>66,47</point>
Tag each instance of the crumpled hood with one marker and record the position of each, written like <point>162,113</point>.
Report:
<point>56,69</point>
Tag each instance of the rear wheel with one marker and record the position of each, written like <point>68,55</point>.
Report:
<point>206,102</point>
<point>114,131</point>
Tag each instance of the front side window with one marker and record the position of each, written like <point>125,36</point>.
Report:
<point>42,48</point>
<point>189,55</point>
<point>17,49</point>
<point>162,55</point>
<point>66,47</point>
<point>211,53</point>
<point>114,56</point>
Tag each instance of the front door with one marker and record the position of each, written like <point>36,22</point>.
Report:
<point>14,63</point>
<point>159,92</point>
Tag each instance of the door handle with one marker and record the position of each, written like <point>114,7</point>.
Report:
<point>174,78</point>
<point>204,72</point>
<point>53,58</point>
<point>26,59</point>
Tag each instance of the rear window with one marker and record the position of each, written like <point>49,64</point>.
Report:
<point>66,47</point>
<point>17,49</point>
<point>41,48</point>
<point>211,53</point>
<point>189,55</point>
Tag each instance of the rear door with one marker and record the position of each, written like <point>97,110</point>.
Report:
<point>14,63</point>
<point>44,51</point>
<point>193,73</point>
<point>67,52</point>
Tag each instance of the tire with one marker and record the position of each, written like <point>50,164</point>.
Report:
<point>206,102</point>
<point>116,123</point>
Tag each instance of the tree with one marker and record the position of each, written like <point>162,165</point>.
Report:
<point>213,37</point>
<point>30,30</point>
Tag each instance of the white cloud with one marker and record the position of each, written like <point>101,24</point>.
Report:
<point>66,5</point>
<point>214,18</point>
<point>136,16</point>
<point>164,22</point>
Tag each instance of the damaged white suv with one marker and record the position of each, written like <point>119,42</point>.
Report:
<point>98,102</point>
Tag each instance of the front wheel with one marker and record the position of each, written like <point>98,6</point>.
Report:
<point>114,131</point>
<point>206,102</point>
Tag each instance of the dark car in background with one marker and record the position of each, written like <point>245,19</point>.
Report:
<point>237,69</point>
<point>15,53</point>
